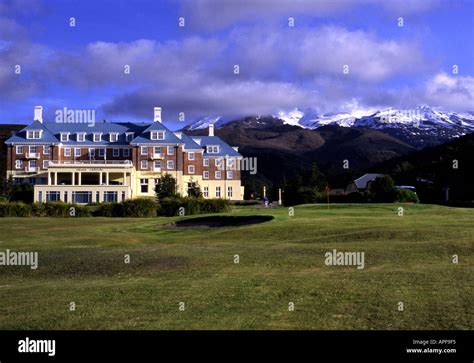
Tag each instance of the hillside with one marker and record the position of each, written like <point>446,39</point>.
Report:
<point>283,150</point>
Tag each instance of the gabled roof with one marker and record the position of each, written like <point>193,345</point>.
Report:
<point>189,143</point>
<point>361,182</point>
<point>224,148</point>
<point>145,138</point>
<point>46,136</point>
<point>52,135</point>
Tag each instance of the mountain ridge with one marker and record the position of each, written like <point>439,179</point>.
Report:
<point>420,127</point>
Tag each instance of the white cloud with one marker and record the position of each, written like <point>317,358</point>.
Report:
<point>452,92</point>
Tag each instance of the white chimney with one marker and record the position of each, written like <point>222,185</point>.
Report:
<point>38,114</point>
<point>211,130</point>
<point>157,117</point>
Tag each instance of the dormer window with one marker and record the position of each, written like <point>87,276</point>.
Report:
<point>81,136</point>
<point>97,137</point>
<point>129,136</point>
<point>157,135</point>
<point>64,136</point>
<point>212,149</point>
<point>113,137</point>
<point>33,134</point>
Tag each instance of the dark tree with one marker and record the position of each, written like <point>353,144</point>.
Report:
<point>195,191</point>
<point>166,187</point>
<point>382,190</point>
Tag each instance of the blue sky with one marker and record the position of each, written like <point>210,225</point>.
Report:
<point>190,69</point>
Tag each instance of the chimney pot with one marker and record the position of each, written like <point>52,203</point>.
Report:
<point>211,130</point>
<point>157,114</point>
<point>38,116</point>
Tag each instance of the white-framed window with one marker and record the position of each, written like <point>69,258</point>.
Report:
<point>190,156</point>
<point>101,152</point>
<point>81,136</point>
<point>97,137</point>
<point>157,135</point>
<point>157,181</point>
<point>129,136</point>
<point>64,136</point>
<point>113,137</point>
<point>77,152</point>
<point>33,134</point>
<point>218,192</point>
<point>45,164</point>
<point>205,192</point>
<point>91,151</point>
<point>191,169</point>
<point>157,165</point>
<point>67,151</point>
<point>33,149</point>
<point>230,163</point>
<point>229,192</point>
<point>230,174</point>
<point>144,164</point>
<point>144,185</point>
<point>205,175</point>
<point>45,150</point>
<point>218,162</point>
<point>116,152</point>
<point>19,149</point>
<point>18,164</point>
<point>32,165</point>
<point>170,164</point>
<point>143,150</point>
<point>157,150</point>
<point>170,150</point>
<point>205,161</point>
<point>126,152</point>
<point>218,175</point>
<point>212,149</point>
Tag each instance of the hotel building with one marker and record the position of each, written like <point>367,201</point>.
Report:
<point>114,161</point>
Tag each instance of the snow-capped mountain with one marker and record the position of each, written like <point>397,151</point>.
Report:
<point>204,122</point>
<point>420,126</point>
<point>422,116</point>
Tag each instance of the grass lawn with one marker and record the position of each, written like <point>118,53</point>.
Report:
<point>407,259</point>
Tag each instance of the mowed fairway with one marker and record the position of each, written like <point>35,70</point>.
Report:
<point>408,259</point>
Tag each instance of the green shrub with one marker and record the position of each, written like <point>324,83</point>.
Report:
<point>5,209</point>
<point>141,208</point>
<point>407,196</point>
<point>382,190</point>
<point>215,206</point>
<point>57,209</point>
<point>83,211</point>
<point>15,209</point>
<point>39,210</point>
<point>108,210</point>
<point>171,206</point>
